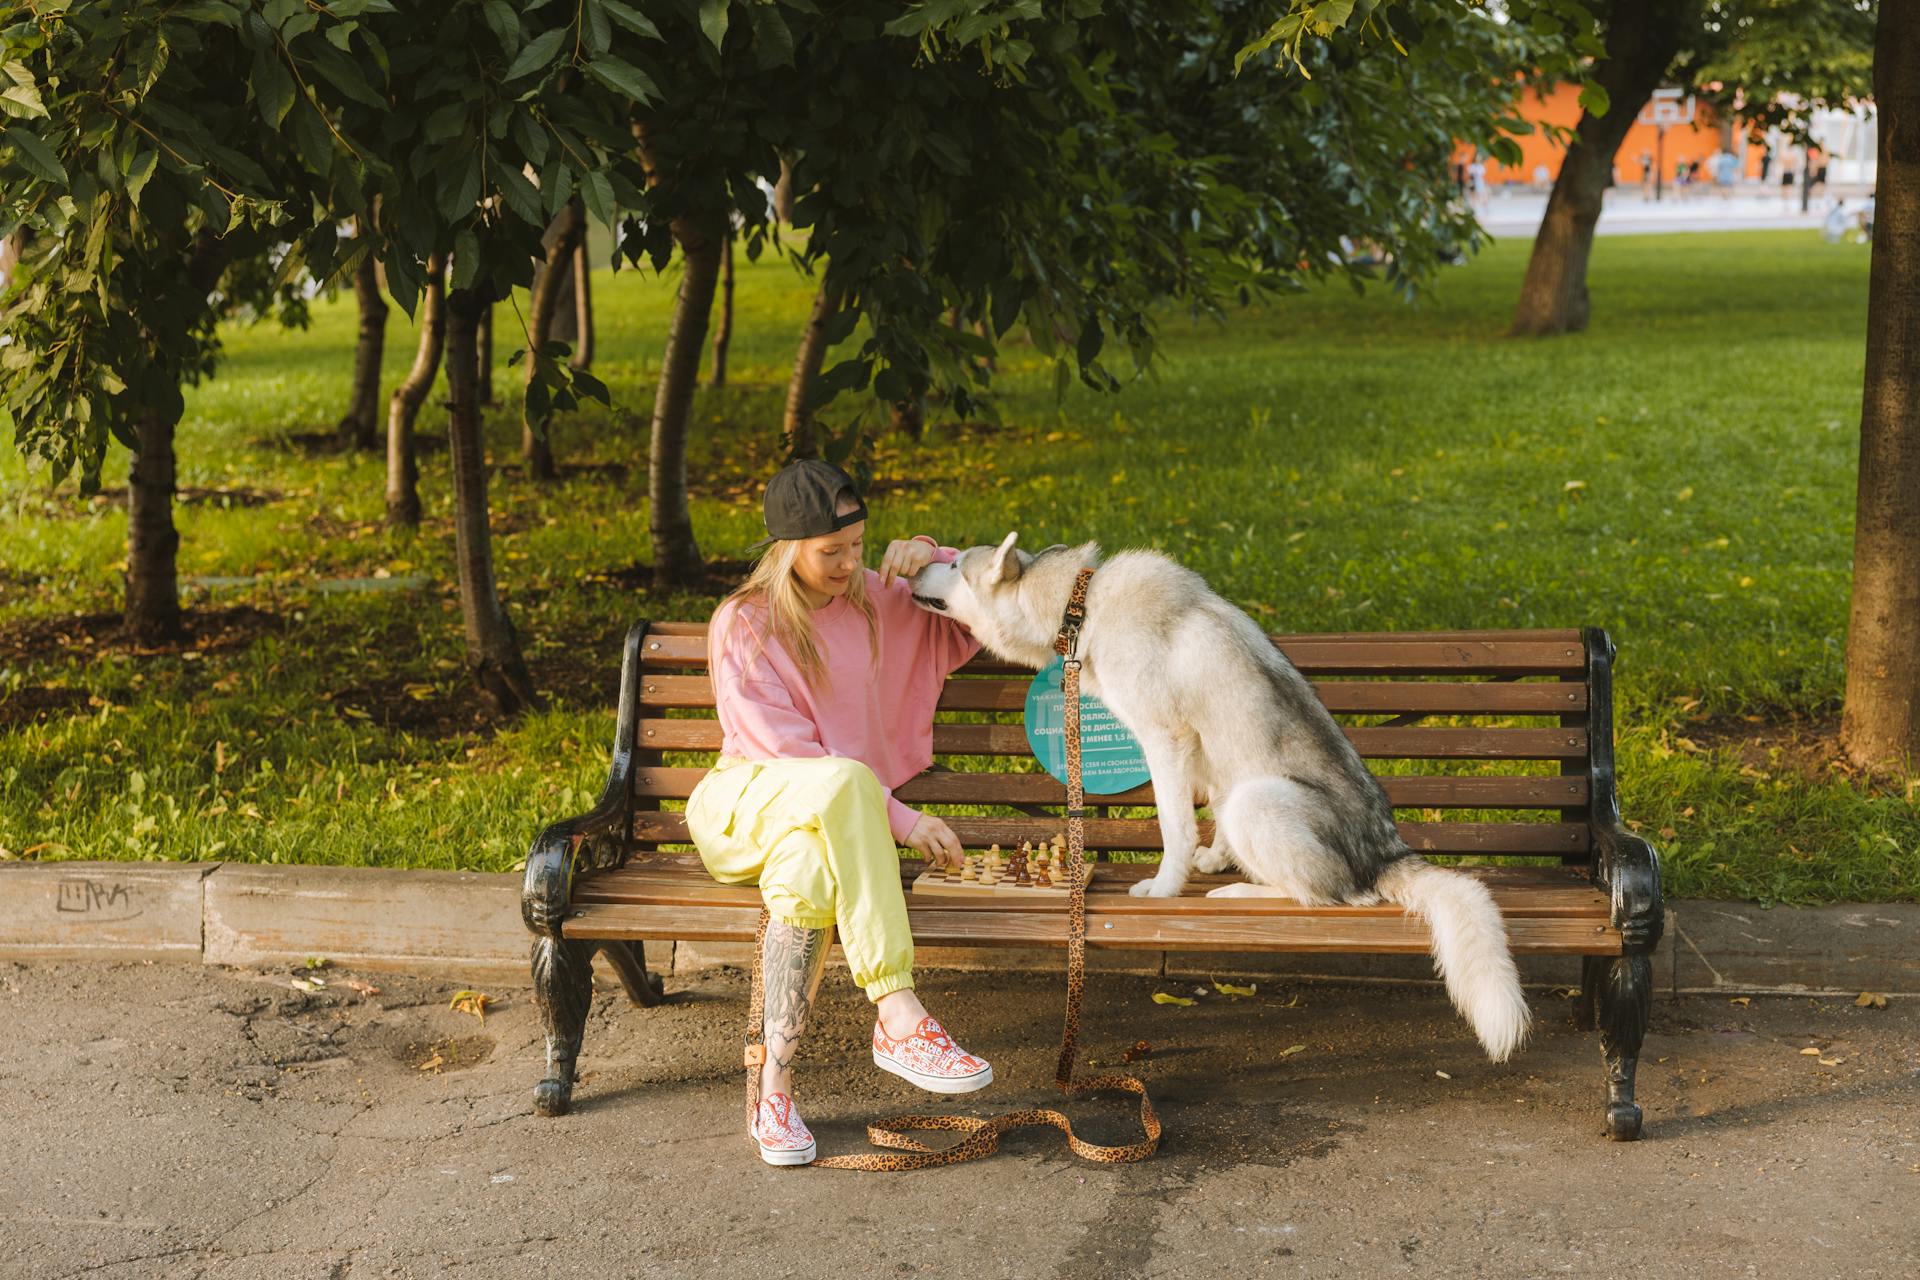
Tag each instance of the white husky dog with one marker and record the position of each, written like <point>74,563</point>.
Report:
<point>1225,719</point>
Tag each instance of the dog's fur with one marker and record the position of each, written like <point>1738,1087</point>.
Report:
<point>1225,719</point>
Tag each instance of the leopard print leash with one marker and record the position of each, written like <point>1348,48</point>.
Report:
<point>983,1135</point>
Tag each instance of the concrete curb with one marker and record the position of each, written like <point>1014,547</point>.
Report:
<point>467,925</point>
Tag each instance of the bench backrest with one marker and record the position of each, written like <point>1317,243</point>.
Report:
<point>1493,743</point>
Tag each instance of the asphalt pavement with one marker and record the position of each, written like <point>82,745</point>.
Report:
<point>181,1120</point>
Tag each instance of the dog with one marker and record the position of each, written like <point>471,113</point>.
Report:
<point>1224,719</point>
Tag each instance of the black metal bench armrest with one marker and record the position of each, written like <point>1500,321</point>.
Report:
<point>600,838</point>
<point>593,841</point>
<point>1628,867</point>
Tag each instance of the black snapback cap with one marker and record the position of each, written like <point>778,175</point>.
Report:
<point>801,499</point>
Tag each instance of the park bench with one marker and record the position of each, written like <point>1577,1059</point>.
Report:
<point>1519,767</point>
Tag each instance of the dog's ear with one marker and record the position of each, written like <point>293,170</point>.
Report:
<point>1005,566</point>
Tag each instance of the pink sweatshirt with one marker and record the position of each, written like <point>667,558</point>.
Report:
<point>881,715</point>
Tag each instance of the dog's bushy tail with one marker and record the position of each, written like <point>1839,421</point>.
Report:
<point>1469,948</point>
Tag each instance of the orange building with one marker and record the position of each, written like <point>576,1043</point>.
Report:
<point>1560,106</point>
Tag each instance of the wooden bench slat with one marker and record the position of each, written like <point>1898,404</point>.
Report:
<point>1372,742</point>
<point>1391,697</point>
<point>1138,834</point>
<point>947,926</point>
<point>668,879</point>
<point>1566,791</point>
<point>1571,635</point>
<point>1369,655</point>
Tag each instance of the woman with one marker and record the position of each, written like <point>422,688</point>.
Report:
<point>825,677</point>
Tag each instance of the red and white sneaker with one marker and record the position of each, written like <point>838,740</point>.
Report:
<point>782,1135</point>
<point>930,1059</point>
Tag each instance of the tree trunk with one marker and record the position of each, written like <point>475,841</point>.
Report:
<point>1880,726</point>
<point>360,428</point>
<point>783,192</point>
<point>676,553</point>
<point>153,544</point>
<point>798,423</point>
<point>556,274</point>
<point>153,585</point>
<point>582,303</point>
<point>403,475</point>
<point>723,332</point>
<point>1642,38</point>
<point>483,358</point>
<point>493,651</point>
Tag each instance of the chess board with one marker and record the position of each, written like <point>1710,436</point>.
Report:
<point>999,878</point>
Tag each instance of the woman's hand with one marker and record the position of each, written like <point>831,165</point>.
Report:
<point>904,559</point>
<point>936,842</point>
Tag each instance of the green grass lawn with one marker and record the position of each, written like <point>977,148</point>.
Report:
<point>1683,475</point>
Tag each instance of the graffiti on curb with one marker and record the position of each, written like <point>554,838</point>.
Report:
<point>100,901</point>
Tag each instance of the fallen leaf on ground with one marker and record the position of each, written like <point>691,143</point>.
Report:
<point>1870,1000</point>
<point>1742,1001</point>
<point>316,962</point>
<point>1809,1052</point>
<point>1139,1053</point>
<point>1161,997</point>
<point>434,1063</point>
<point>304,983</point>
<point>364,988</point>
<point>1443,1075</point>
<point>1228,989</point>
<point>1831,1062</point>
<point>1292,1049</point>
<point>473,1002</point>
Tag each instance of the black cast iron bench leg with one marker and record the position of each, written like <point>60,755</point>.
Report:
<point>563,988</point>
<point>1619,991</point>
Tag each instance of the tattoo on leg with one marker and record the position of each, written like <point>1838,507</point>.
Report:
<point>791,966</point>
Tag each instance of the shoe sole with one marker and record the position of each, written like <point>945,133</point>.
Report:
<point>934,1084</point>
<point>805,1156</point>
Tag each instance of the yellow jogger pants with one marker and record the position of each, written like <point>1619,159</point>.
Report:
<point>813,834</point>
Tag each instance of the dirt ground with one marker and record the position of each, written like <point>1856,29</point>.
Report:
<point>178,1121</point>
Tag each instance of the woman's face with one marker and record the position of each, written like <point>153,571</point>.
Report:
<point>826,564</point>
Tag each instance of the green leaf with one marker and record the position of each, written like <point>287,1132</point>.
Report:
<point>624,79</point>
<point>591,387</point>
<point>531,138</point>
<point>521,196</point>
<point>1161,997</point>
<point>539,52</point>
<point>1091,339</point>
<point>630,18</point>
<point>313,138</point>
<point>458,198</point>
<point>138,173</point>
<point>597,31</point>
<point>272,87</point>
<point>34,155</point>
<point>713,21</point>
<point>20,97</point>
<point>466,260</point>
<point>1594,99</point>
<point>556,187</point>
<point>505,24</point>
<point>598,193</point>
<point>772,39</point>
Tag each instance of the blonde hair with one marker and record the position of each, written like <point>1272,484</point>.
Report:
<point>773,584</point>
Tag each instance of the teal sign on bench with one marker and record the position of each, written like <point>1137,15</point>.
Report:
<point>1110,756</point>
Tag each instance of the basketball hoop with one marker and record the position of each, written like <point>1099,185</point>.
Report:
<point>1664,109</point>
<point>1667,108</point>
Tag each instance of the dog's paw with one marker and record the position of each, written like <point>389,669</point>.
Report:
<point>1211,860</point>
<point>1154,889</point>
<point>1238,889</point>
